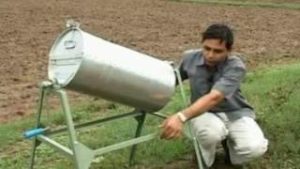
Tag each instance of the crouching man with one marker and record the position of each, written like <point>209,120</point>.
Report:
<point>218,111</point>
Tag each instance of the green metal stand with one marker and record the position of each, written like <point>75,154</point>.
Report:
<point>140,119</point>
<point>191,135</point>
<point>80,154</point>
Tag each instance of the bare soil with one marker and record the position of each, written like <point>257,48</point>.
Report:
<point>160,28</point>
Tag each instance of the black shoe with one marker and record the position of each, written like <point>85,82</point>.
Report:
<point>226,150</point>
<point>227,159</point>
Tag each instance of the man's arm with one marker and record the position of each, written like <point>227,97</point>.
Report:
<point>203,104</point>
<point>223,88</point>
<point>172,126</point>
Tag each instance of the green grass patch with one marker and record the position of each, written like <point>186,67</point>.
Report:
<point>247,3</point>
<point>274,92</point>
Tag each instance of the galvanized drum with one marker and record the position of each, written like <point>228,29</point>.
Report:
<point>82,62</point>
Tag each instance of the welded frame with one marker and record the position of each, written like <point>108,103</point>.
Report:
<point>81,155</point>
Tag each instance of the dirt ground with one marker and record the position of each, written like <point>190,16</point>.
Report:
<point>160,28</point>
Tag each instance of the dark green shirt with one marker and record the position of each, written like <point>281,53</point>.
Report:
<point>225,77</point>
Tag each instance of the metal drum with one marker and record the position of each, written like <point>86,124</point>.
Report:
<point>82,62</point>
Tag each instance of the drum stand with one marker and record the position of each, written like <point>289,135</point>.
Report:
<point>81,155</point>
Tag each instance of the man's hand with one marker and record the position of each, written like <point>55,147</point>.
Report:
<point>171,128</point>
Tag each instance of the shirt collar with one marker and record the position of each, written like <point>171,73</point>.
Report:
<point>200,59</point>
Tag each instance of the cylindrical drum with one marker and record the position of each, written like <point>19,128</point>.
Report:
<point>82,62</point>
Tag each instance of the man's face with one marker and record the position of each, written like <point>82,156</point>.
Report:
<point>214,51</point>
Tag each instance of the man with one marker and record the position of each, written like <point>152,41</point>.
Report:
<point>218,111</point>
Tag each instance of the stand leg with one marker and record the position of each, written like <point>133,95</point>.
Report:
<point>36,142</point>
<point>69,121</point>
<point>82,155</point>
<point>195,141</point>
<point>140,119</point>
<point>200,160</point>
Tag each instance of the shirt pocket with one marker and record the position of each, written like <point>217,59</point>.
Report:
<point>199,86</point>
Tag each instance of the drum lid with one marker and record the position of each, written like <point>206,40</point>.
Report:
<point>65,56</point>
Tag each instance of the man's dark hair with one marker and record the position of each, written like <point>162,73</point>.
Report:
<point>221,32</point>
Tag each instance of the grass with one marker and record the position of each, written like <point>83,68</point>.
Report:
<point>248,3</point>
<point>274,92</point>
